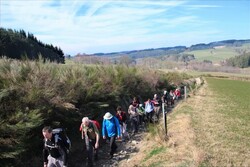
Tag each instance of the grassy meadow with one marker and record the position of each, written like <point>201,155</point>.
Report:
<point>223,130</point>
<point>219,53</point>
<point>234,96</point>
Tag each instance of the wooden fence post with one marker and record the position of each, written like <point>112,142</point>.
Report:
<point>185,92</point>
<point>164,119</point>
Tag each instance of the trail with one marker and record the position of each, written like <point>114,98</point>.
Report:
<point>130,153</point>
<point>180,148</point>
<point>125,151</point>
<point>194,128</point>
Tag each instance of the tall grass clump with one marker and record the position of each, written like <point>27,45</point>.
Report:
<point>34,94</point>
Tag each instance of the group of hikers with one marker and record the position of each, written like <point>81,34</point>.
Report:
<point>57,144</point>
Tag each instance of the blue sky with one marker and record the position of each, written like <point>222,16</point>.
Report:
<point>93,26</point>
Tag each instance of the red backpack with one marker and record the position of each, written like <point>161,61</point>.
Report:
<point>97,124</point>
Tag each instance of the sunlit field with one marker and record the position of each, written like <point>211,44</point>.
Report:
<point>223,128</point>
<point>218,54</point>
<point>235,95</point>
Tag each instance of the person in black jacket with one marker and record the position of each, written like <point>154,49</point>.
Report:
<point>54,153</point>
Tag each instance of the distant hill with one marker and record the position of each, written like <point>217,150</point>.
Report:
<point>146,52</point>
<point>19,44</point>
<point>232,43</point>
<point>167,51</point>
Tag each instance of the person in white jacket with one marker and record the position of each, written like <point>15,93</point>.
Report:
<point>149,110</point>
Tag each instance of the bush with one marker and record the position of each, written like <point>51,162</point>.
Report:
<point>34,94</point>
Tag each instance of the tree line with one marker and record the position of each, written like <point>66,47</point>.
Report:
<point>241,61</point>
<point>19,45</point>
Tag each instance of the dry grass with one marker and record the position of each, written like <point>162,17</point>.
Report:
<point>178,150</point>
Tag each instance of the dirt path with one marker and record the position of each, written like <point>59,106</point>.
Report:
<point>180,146</point>
<point>194,139</point>
<point>180,149</point>
<point>126,149</point>
<point>132,152</point>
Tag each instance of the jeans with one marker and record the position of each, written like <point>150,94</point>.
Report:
<point>134,123</point>
<point>90,146</point>
<point>149,116</point>
<point>112,145</point>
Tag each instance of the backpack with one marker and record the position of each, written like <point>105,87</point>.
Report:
<point>97,124</point>
<point>61,134</point>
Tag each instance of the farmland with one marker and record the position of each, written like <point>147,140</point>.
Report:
<point>219,53</point>
<point>223,130</point>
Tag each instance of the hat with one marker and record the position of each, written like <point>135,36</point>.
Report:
<point>108,116</point>
<point>140,105</point>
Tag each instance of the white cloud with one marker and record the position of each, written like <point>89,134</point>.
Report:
<point>104,26</point>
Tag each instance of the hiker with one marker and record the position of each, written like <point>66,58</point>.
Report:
<point>149,110</point>
<point>177,93</point>
<point>135,102</point>
<point>172,97</point>
<point>55,152</point>
<point>111,129</point>
<point>141,113</point>
<point>157,105</point>
<point>121,116</point>
<point>91,135</point>
<point>97,124</point>
<point>164,97</point>
<point>133,115</point>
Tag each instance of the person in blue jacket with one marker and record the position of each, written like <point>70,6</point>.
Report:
<point>111,129</point>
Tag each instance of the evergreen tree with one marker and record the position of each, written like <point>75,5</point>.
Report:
<point>16,44</point>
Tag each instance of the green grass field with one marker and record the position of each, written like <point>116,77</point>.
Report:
<point>218,54</point>
<point>236,97</point>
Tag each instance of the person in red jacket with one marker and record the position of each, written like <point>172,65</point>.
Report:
<point>177,93</point>
<point>122,117</point>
